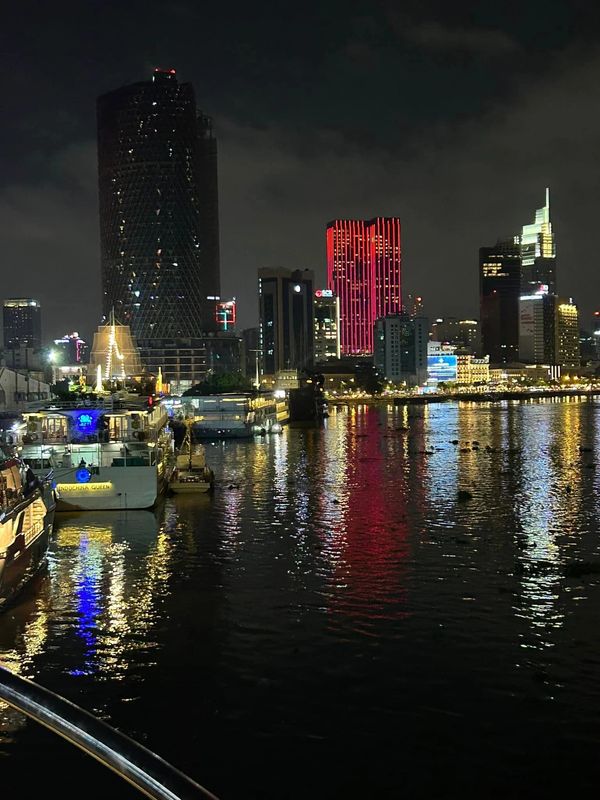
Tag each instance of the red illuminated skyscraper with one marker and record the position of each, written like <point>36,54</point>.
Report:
<point>364,270</point>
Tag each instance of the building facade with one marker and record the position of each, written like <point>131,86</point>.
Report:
<point>401,348</point>
<point>159,230</point>
<point>499,292</point>
<point>538,252</point>
<point>536,329</point>
<point>364,259</point>
<point>568,346</point>
<point>471,371</point>
<point>184,362</point>
<point>286,319</point>
<point>462,333</point>
<point>22,323</point>
<point>17,390</point>
<point>549,330</point>
<point>327,326</point>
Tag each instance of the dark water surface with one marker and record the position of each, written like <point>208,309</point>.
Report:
<point>335,622</point>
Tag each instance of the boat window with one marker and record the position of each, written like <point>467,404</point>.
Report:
<point>38,463</point>
<point>117,427</point>
<point>12,481</point>
<point>53,429</point>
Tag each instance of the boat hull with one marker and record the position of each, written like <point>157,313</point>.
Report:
<point>240,432</point>
<point>112,489</point>
<point>20,563</point>
<point>190,488</point>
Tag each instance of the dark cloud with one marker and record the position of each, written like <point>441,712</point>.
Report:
<point>485,42</point>
<point>465,186</point>
<point>49,234</point>
<point>320,114</point>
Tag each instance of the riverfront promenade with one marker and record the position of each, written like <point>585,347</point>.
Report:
<point>471,395</point>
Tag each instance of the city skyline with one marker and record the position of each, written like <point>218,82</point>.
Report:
<point>439,142</point>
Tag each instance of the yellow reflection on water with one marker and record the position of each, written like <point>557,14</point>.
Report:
<point>106,588</point>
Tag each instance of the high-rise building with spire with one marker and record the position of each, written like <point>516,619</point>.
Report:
<point>159,230</point>
<point>538,252</point>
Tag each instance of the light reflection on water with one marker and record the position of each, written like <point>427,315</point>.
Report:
<point>336,602</point>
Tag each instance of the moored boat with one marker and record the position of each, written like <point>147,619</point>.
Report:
<point>27,507</point>
<point>191,473</point>
<point>230,416</point>
<point>107,455</point>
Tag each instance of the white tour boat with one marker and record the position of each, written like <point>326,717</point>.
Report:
<point>115,454</point>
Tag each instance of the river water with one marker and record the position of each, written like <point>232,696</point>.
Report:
<point>337,621</point>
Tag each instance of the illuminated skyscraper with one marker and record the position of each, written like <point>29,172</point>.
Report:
<point>567,334</point>
<point>549,330</point>
<point>327,325</point>
<point>159,231</point>
<point>364,271</point>
<point>22,323</point>
<point>285,319</point>
<point>537,328</point>
<point>499,290</point>
<point>401,348</point>
<point>538,251</point>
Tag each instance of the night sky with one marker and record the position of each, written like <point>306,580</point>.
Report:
<point>452,116</point>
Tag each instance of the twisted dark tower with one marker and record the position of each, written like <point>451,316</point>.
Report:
<point>159,219</point>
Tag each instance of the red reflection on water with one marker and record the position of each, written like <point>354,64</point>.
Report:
<point>371,534</point>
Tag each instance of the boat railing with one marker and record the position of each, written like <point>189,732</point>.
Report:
<point>69,405</point>
<point>101,437</point>
<point>137,765</point>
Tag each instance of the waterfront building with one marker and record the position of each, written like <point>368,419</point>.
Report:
<point>18,389</point>
<point>538,252</point>
<point>499,291</point>
<point>536,328</point>
<point>364,270</point>
<point>549,330</point>
<point>22,317</point>
<point>327,325</point>
<point>26,360</point>
<point>159,230</point>
<point>568,347</point>
<point>463,333</point>
<point>401,348</point>
<point>471,371</point>
<point>185,362</point>
<point>286,319</point>
<point>114,352</point>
